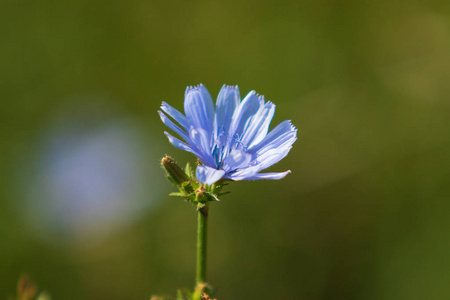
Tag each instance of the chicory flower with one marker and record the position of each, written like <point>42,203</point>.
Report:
<point>232,139</point>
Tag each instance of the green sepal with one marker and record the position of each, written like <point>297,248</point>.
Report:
<point>213,197</point>
<point>189,187</point>
<point>191,197</point>
<point>186,187</point>
<point>195,184</point>
<point>189,171</point>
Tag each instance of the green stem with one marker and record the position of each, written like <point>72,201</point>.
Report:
<point>201,244</point>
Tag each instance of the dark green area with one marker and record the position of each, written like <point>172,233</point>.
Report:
<point>365,212</point>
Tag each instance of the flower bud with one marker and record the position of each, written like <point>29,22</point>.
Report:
<point>202,195</point>
<point>201,192</point>
<point>174,172</point>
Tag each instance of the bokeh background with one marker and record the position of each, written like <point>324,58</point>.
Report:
<point>364,215</point>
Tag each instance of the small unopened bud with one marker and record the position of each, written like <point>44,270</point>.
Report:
<point>174,171</point>
<point>201,195</point>
<point>200,192</point>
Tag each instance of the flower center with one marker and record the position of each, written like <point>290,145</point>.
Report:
<point>223,144</point>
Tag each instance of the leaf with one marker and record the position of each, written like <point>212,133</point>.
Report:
<point>177,194</point>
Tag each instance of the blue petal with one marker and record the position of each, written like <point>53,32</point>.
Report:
<point>259,126</point>
<point>199,108</point>
<point>271,157</point>
<point>180,145</point>
<point>242,174</point>
<point>175,114</point>
<point>201,139</point>
<point>236,160</point>
<point>227,101</point>
<point>208,175</point>
<point>173,126</point>
<point>282,132</point>
<point>275,146</point>
<point>268,176</point>
<point>244,113</point>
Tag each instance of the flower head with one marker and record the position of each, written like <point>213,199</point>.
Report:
<point>232,138</point>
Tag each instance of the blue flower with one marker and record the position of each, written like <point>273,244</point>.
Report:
<point>232,139</point>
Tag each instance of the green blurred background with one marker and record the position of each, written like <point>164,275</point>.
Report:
<point>364,214</point>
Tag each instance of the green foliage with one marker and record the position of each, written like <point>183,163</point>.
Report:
<point>188,186</point>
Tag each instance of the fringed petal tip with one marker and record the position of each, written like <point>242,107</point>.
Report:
<point>253,93</point>
<point>165,106</point>
<point>163,117</point>
<point>199,87</point>
<point>270,104</point>
<point>293,128</point>
<point>230,86</point>
<point>170,137</point>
